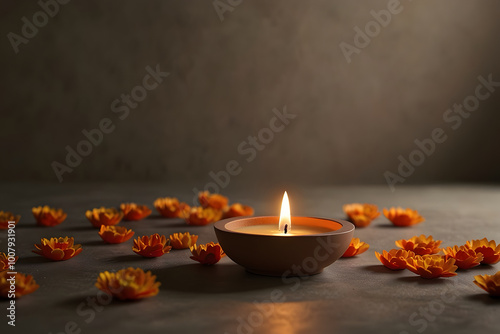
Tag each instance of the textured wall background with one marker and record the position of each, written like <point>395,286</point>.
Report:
<point>353,120</point>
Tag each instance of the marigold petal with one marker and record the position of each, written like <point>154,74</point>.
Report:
<point>170,207</point>
<point>203,216</point>
<point>115,234</point>
<point>207,254</point>
<point>403,217</point>
<point>238,210</point>
<point>58,249</point>
<point>133,211</point>
<point>420,245</point>
<point>5,217</point>
<point>47,216</point>
<point>361,215</point>
<point>432,266</point>
<point>489,249</point>
<point>128,284</point>
<point>182,240</point>
<point>104,216</point>
<point>215,201</point>
<point>151,246</point>
<point>356,247</point>
<point>4,261</point>
<point>24,284</point>
<point>394,259</point>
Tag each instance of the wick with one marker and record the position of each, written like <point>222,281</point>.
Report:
<point>286,228</point>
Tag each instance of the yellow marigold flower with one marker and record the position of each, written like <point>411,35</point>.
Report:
<point>24,284</point>
<point>170,207</point>
<point>115,234</point>
<point>182,240</point>
<point>5,217</point>
<point>361,215</point>
<point>4,261</point>
<point>421,245</point>
<point>395,259</point>
<point>489,283</point>
<point>128,284</point>
<point>465,257</point>
<point>431,266</point>
<point>58,249</point>
<point>132,211</point>
<point>153,246</point>
<point>216,201</point>
<point>403,217</point>
<point>104,216</point>
<point>207,254</point>
<point>356,247</point>
<point>489,249</point>
<point>47,216</point>
<point>237,210</point>
<point>203,216</point>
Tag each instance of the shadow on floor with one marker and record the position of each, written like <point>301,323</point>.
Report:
<point>227,278</point>
<point>165,222</point>
<point>387,225</point>
<point>421,280</point>
<point>484,298</point>
<point>128,258</point>
<point>98,299</point>
<point>481,267</point>
<point>179,224</point>
<point>34,260</point>
<point>80,228</point>
<point>33,225</point>
<point>99,242</point>
<point>380,269</point>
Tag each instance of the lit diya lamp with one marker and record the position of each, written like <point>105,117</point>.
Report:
<point>284,245</point>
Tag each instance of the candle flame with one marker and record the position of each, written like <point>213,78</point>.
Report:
<point>285,223</point>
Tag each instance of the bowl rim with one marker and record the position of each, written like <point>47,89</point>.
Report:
<point>347,227</point>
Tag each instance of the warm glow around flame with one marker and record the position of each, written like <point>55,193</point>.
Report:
<point>285,215</point>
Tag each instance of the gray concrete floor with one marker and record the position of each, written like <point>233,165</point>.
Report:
<point>355,295</point>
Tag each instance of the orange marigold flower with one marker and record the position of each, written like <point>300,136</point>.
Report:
<point>153,246</point>
<point>104,216</point>
<point>170,207</point>
<point>356,247</point>
<point>421,245</point>
<point>395,259</point>
<point>489,283</point>
<point>115,234</point>
<point>25,284</point>
<point>5,217</point>
<point>361,214</point>
<point>182,240</point>
<point>489,249</point>
<point>203,216</point>
<point>237,210</point>
<point>207,254</point>
<point>216,201</point>
<point>58,249</point>
<point>431,266</point>
<point>4,261</point>
<point>47,216</point>
<point>128,284</point>
<point>132,211</point>
<point>465,257</point>
<point>403,217</point>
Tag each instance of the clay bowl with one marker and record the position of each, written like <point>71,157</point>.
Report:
<point>290,255</point>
